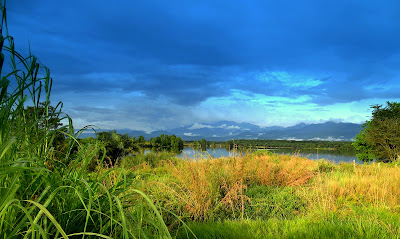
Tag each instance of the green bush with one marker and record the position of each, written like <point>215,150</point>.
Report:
<point>277,202</point>
<point>262,152</point>
<point>325,166</point>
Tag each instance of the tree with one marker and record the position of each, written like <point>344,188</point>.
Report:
<point>153,142</point>
<point>44,116</point>
<point>203,144</point>
<point>213,145</point>
<point>141,140</point>
<point>179,143</point>
<point>114,145</point>
<point>44,119</point>
<point>380,137</point>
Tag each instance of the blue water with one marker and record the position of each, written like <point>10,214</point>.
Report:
<point>191,153</point>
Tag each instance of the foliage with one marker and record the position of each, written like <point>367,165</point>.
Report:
<point>366,224</point>
<point>380,137</point>
<point>325,166</point>
<point>340,146</point>
<point>203,144</point>
<point>151,159</point>
<point>278,202</point>
<point>216,189</point>
<point>116,145</point>
<point>45,195</point>
<point>165,141</point>
<point>261,195</point>
<point>290,196</point>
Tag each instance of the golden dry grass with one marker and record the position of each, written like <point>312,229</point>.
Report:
<point>201,189</point>
<point>204,186</point>
<point>375,185</point>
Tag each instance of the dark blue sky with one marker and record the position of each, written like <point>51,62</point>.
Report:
<point>163,64</point>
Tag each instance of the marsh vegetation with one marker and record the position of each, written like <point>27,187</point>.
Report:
<point>53,185</point>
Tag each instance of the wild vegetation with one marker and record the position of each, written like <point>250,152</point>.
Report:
<point>263,195</point>
<point>46,190</point>
<point>380,137</point>
<point>340,146</point>
<point>53,185</point>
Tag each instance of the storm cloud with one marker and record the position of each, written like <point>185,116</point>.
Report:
<point>158,64</point>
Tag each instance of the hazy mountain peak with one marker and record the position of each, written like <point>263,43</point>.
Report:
<point>227,130</point>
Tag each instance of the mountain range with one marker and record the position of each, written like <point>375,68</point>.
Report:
<point>227,130</point>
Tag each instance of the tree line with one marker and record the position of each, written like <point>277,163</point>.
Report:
<point>166,141</point>
<point>291,144</point>
<point>118,145</point>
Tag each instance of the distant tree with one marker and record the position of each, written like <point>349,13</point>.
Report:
<point>167,141</point>
<point>44,116</point>
<point>203,144</point>
<point>114,145</point>
<point>158,141</point>
<point>212,145</point>
<point>380,137</point>
<point>42,120</point>
<point>141,140</point>
<point>178,143</point>
<point>153,142</point>
<point>229,145</point>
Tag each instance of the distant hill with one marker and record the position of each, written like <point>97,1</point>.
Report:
<point>227,130</point>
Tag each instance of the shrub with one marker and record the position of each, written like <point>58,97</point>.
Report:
<point>278,202</point>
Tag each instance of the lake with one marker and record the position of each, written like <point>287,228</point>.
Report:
<point>336,157</point>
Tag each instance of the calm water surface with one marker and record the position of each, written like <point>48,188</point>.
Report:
<point>335,157</point>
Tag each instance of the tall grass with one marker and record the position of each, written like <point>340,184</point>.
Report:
<point>278,196</point>
<point>366,225</point>
<point>50,189</point>
<point>375,185</point>
<point>48,193</point>
<point>215,189</point>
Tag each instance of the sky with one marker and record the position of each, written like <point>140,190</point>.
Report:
<point>151,65</point>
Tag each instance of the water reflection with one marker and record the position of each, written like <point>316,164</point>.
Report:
<point>193,153</point>
<point>333,156</point>
<point>330,155</point>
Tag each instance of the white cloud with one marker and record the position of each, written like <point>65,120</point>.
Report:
<point>201,126</point>
<point>330,138</point>
<point>233,127</point>
<point>224,126</point>
<point>290,138</point>
<point>314,139</point>
<point>190,134</point>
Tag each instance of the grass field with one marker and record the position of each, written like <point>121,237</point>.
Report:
<point>54,186</point>
<point>265,195</point>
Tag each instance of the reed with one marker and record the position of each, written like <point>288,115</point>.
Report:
<point>46,190</point>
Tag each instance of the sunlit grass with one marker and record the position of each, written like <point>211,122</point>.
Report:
<point>292,196</point>
<point>56,187</point>
<point>46,190</point>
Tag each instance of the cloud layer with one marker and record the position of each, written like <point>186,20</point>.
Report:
<point>159,64</point>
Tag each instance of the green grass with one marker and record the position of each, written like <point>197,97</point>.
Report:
<point>364,225</point>
<point>54,186</point>
<point>277,196</point>
<point>46,190</point>
<point>274,202</point>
